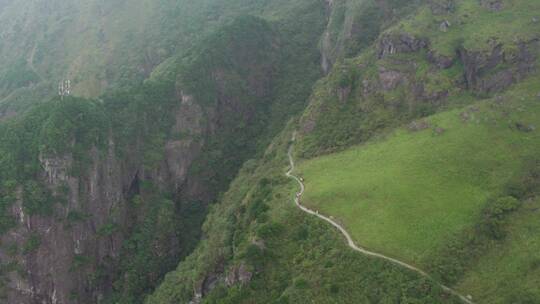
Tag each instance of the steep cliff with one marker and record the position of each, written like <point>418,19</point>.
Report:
<point>103,197</point>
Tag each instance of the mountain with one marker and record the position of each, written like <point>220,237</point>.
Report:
<point>161,178</point>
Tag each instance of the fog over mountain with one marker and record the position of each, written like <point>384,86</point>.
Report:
<point>269,151</point>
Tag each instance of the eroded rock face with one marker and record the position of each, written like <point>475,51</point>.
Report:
<point>494,71</point>
<point>46,272</point>
<point>441,7</point>
<point>63,265</point>
<point>76,254</point>
<point>399,43</point>
<point>343,93</point>
<point>238,275</point>
<point>492,5</point>
<point>390,79</point>
<point>441,61</point>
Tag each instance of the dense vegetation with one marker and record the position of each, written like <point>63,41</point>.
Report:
<point>290,257</point>
<point>421,140</point>
<point>252,70</point>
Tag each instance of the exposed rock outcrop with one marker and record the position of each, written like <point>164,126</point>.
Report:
<point>492,5</point>
<point>494,71</point>
<point>238,275</point>
<point>71,245</point>
<point>390,79</point>
<point>441,61</point>
<point>399,43</point>
<point>441,7</point>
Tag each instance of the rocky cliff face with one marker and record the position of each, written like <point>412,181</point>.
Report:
<point>85,236</point>
<point>121,211</point>
<point>74,255</point>
<point>497,69</point>
<point>77,244</point>
<point>409,74</point>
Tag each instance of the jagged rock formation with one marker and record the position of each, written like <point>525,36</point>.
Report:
<point>123,211</point>
<point>482,75</point>
<point>101,197</point>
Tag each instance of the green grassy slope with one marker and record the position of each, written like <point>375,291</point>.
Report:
<point>413,187</point>
<point>481,27</point>
<point>510,271</point>
<point>407,194</point>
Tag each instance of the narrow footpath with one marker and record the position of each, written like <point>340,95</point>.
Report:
<point>350,241</point>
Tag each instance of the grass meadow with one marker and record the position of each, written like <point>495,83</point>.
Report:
<point>405,194</point>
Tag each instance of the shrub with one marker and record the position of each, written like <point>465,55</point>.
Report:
<point>37,199</point>
<point>301,283</point>
<point>495,215</point>
<point>32,244</point>
<point>268,230</point>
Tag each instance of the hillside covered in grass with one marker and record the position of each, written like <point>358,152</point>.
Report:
<point>407,194</point>
<point>162,178</point>
<point>442,117</point>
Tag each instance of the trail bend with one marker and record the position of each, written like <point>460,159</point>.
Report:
<point>346,234</point>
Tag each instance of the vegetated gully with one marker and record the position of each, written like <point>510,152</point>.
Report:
<point>350,241</point>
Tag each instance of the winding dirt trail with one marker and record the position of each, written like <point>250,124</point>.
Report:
<point>350,241</point>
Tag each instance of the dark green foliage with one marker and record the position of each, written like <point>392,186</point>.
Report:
<point>295,258</point>
<point>301,283</point>
<point>459,253</point>
<point>18,75</point>
<point>237,50</point>
<point>54,128</point>
<point>271,229</point>
<point>233,71</point>
<point>367,27</point>
<point>7,197</point>
<point>495,213</point>
<point>79,262</point>
<point>151,250</point>
<point>32,244</point>
<point>107,229</point>
<point>73,126</point>
<point>76,216</point>
<point>529,185</point>
<point>142,114</point>
<point>37,199</point>
<point>254,255</point>
<point>242,71</point>
<point>523,298</point>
